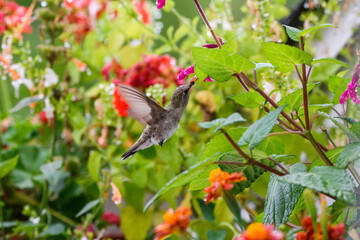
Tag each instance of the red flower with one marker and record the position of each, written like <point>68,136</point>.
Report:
<point>221,181</point>
<point>79,4</point>
<point>335,232</point>
<point>111,218</point>
<point>113,67</point>
<point>120,104</point>
<point>258,231</point>
<point>173,221</point>
<point>140,8</point>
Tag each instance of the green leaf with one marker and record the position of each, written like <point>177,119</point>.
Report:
<point>332,155</point>
<point>272,145</point>
<point>130,219</point>
<point>26,102</point>
<point>201,181</point>
<point>356,128</point>
<point>88,207</point>
<point>282,158</point>
<point>308,30</point>
<point>250,172</point>
<point>55,175</point>
<point>294,99</point>
<point>223,122</point>
<point>340,88</point>
<point>207,210</point>
<point>350,154</point>
<point>330,60</point>
<point>234,207</point>
<point>284,57</point>
<point>293,33</point>
<point>199,73</point>
<point>281,198</point>
<point>78,123</point>
<point>212,235</point>
<point>7,166</point>
<point>260,129</point>
<point>326,179</point>
<point>94,164</point>
<point>313,107</point>
<point>53,230</point>
<point>334,83</point>
<point>248,99</point>
<point>219,64</point>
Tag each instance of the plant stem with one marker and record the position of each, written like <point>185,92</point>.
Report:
<point>249,159</point>
<point>279,165</point>
<point>310,137</point>
<point>282,133</point>
<point>242,82</point>
<point>304,87</point>
<point>207,23</point>
<point>328,136</point>
<point>2,219</point>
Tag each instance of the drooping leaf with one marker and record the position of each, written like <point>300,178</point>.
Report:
<point>308,30</point>
<point>223,122</point>
<point>8,165</point>
<point>293,100</point>
<point>326,179</point>
<point>350,154</point>
<point>220,64</point>
<point>88,207</point>
<point>284,57</point>
<point>93,165</point>
<point>234,207</point>
<point>330,60</point>
<point>26,102</point>
<point>293,33</point>
<point>260,129</point>
<point>281,197</point>
<point>248,99</point>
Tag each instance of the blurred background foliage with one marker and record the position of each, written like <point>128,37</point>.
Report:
<point>65,137</point>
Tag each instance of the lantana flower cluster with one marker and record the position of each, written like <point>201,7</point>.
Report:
<point>12,15</point>
<point>335,232</point>
<point>220,181</point>
<point>257,231</point>
<point>174,221</point>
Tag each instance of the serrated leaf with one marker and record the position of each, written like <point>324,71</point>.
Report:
<point>294,99</point>
<point>88,207</point>
<point>93,165</point>
<point>223,122</point>
<point>350,154</point>
<point>260,129</point>
<point>272,145</point>
<point>308,30</point>
<point>330,60</point>
<point>250,172</point>
<point>7,166</point>
<point>356,128</point>
<point>220,64</point>
<point>332,155</point>
<point>281,198</point>
<point>26,102</point>
<point>293,33</point>
<point>234,207</point>
<point>284,57</point>
<point>248,99</point>
<point>326,179</point>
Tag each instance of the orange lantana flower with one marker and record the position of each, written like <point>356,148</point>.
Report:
<point>173,221</point>
<point>335,232</point>
<point>221,180</point>
<point>259,231</point>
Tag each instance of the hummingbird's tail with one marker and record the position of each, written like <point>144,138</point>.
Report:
<point>139,145</point>
<point>128,154</point>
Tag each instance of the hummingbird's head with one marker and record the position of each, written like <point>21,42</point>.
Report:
<point>181,95</point>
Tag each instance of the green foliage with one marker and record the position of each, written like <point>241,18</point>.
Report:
<point>282,197</point>
<point>8,165</point>
<point>131,218</point>
<point>248,99</point>
<point>293,33</point>
<point>284,57</point>
<point>219,123</point>
<point>351,154</point>
<point>220,65</point>
<point>308,30</point>
<point>329,180</point>
<point>260,129</point>
<point>88,207</point>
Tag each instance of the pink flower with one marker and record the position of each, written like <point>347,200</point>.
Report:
<point>190,70</point>
<point>160,4</point>
<point>116,198</point>
<point>111,218</point>
<point>352,86</point>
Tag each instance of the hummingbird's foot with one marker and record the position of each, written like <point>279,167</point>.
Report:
<point>161,142</point>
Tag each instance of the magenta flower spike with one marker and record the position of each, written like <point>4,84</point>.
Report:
<point>190,70</point>
<point>160,3</point>
<point>351,91</point>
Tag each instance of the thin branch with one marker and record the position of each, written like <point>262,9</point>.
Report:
<point>328,136</point>
<point>231,163</point>
<point>309,71</point>
<point>313,119</point>
<point>304,87</point>
<point>242,83</point>
<point>282,133</point>
<point>279,165</point>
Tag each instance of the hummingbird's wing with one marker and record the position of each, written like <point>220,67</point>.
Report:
<point>142,108</point>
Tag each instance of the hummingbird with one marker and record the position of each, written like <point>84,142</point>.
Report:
<point>160,123</point>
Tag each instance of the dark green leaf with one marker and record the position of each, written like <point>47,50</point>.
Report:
<point>88,207</point>
<point>248,99</point>
<point>284,57</point>
<point>308,30</point>
<point>293,33</point>
<point>219,64</point>
<point>7,166</point>
<point>54,175</point>
<point>223,122</point>
<point>207,210</point>
<point>294,99</point>
<point>350,154</point>
<point>330,60</point>
<point>234,207</point>
<point>94,164</point>
<point>330,180</point>
<point>220,235</point>
<point>26,102</point>
<point>53,230</point>
<point>281,198</point>
<point>260,129</point>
